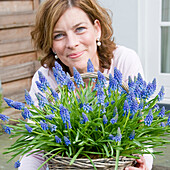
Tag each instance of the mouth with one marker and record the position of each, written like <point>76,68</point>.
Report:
<point>75,55</point>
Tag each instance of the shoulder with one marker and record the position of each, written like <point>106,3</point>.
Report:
<point>127,61</point>
<point>122,53</point>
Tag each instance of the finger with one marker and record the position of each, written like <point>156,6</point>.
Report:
<point>132,168</point>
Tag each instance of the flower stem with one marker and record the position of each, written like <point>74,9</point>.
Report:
<point>117,156</point>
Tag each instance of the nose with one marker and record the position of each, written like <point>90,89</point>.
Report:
<point>72,41</point>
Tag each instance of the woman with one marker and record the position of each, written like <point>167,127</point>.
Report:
<point>71,32</point>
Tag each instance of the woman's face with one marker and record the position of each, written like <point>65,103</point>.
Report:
<point>74,39</point>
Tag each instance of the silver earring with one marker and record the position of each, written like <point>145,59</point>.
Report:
<point>98,42</point>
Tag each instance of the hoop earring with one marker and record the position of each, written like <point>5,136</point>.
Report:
<point>98,42</point>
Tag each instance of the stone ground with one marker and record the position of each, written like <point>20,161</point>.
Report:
<point>160,162</point>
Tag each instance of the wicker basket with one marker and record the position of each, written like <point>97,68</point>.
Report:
<point>62,163</point>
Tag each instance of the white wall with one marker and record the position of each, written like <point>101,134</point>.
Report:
<point>125,21</point>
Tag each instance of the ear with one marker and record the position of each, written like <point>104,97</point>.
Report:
<point>97,28</point>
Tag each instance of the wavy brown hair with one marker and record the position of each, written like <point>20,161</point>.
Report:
<point>49,13</point>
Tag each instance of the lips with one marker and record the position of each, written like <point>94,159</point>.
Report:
<point>75,55</point>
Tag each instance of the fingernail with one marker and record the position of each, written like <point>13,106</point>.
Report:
<point>127,169</point>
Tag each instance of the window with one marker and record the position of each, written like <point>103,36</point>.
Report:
<point>154,42</point>
<point>165,37</point>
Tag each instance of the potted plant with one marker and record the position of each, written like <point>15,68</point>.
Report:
<point>99,122</point>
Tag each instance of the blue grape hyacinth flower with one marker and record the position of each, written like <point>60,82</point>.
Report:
<point>118,75</point>
<point>7,129</point>
<point>77,78</point>
<point>26,113</point>
<point>29,129</point>
<point>28,98</point>
<point>44,125</point>
<point>149,118</point>
<point>57,139</point>
<point>85,118</point>
<point>162,112</point>
<point>90,67</point>
<point>4,117</point>
<point>67,141</point>
<point>17,164</point>
<point>105,119</point>
<point>132,135</point>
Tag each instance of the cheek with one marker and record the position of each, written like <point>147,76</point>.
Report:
<point>58,47</point>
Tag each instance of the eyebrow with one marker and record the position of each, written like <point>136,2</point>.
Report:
<point>74,26</point>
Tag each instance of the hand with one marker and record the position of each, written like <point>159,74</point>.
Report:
<point>141,165</point>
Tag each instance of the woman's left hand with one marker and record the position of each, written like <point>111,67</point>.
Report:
<point>141,165</point>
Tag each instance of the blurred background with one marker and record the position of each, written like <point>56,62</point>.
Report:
<point>142,25</point>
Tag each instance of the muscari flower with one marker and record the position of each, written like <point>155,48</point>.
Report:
<point>161,94</point>
<point>162,112</point>
<point>105,119</point>
<point>118,137</point>
<point>87,107</point>
<point>66,141</point>
<point>132,135</point>
<point>134,106</point>
<point>118,75</point>
<point>8,101</point>
<point>58,66</point>
<point>90,67</point>
<point>140,82</point>
<point>114,120</point>
<point>42,101</point>
<point>18,105</point>
<point>156,107</point>
<point>70,84</point>
<point>115,111</point>
<point>42,87</point>
<point>101,79</point>
<point>53,127</point>
<point>64,113</point>
<point>28,98</point>
<point>26,113</point>
<point>44,125</point>
<point>140,107</point>
<point>168,121</point>
<point>4,117</point>
<point>57,139</point>
<point>131,84</point>
<point>125,108</point>
<point>77,78</point>
<point>17,164</point>
<point>60,79</point>
<point>162,124</point>
<point>149,118</point>
<point>29,129</point>
<point>7,129</point>
<point>42,79</point>
<point>85,118</point>
<point>100,96</point>
<point>50,117</point>
<point>54,94</point>
<point>112,83</point>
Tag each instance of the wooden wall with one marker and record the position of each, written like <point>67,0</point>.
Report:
<point>18,59</point>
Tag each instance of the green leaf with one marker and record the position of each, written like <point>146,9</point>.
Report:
<point>76,155</point>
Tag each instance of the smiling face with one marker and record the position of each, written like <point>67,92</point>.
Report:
<point>74,39</point>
